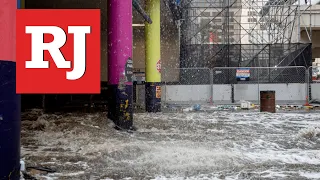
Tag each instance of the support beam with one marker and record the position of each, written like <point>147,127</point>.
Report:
<point>120,63</point>
<point>9,100</point>
<point>153,59</point>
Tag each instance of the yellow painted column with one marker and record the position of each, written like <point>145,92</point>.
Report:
<point>22,5</point>
<point>153,59</point>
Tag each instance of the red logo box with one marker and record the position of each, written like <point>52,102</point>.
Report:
<point>58,51</point>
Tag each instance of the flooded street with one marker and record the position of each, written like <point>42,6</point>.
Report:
<point>201,145</point>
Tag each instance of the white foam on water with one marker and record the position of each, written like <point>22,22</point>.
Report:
<point>288,157</point>
<point>310,175</point>
<point>273,174</point>
<point>202,145</point>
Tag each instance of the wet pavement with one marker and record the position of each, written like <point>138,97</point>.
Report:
<point>185,145</point>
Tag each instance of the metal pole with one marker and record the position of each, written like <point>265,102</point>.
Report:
<point>259,87</point>
<point>211,85</point>
<point>179,33</point>
<point>310,26</point>
<point>310,22</point>
<point>164,101</point>
<point>299,25</point>
<point>269,63</point>
<point>183,40</point>
<point>308,83</point>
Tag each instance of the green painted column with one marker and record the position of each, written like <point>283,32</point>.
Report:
<point>153,59</point>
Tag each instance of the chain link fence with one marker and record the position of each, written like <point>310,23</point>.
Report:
<point>259,75</point>
<point>186,85</point>
<point>231,85</point>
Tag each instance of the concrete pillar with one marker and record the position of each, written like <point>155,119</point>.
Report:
<point>120,63</point>
<point>9,100</point>
<point>153,59</point>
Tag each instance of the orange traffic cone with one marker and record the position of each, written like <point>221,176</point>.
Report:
<point>307,101</point>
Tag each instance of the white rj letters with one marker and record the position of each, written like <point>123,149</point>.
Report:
<point>60,38</point>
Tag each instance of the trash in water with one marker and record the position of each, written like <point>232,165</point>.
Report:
<point>22,166</point>
<point>197,107</point>
<point>187,109</point>
<point>245,105</point>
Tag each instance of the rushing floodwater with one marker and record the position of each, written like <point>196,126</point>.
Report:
<point>203,145</point>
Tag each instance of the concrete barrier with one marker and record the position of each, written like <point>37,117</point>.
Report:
<point>186,94</point>
<point>221,93</point>
<point>315,91</point>
<point>293,93</point>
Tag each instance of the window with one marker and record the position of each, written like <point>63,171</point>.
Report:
<point>204,22</point>
<point>252,13</point>
<point>216,20</point>
<point>216,27</point>
<point>263,27</point>
<point>273,20</point>
<point>192,13</point>
<point>252,20</point>
<point>205,14</point>
<point>215,14</point>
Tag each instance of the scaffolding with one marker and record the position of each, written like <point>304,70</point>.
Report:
<point>242,33</point>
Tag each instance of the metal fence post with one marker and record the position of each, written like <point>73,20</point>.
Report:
<point>259,87</point>
<point>307,85</point>
<point>230,82</point>
<point>164,101</point>
<point>211,85</point>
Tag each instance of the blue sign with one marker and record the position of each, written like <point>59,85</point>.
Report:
<point>243,74</point>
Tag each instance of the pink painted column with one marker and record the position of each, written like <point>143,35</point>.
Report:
<point>120,64</point>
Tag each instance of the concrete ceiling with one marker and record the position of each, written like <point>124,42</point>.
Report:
<point>166,18</point>
<point>70,4</point>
